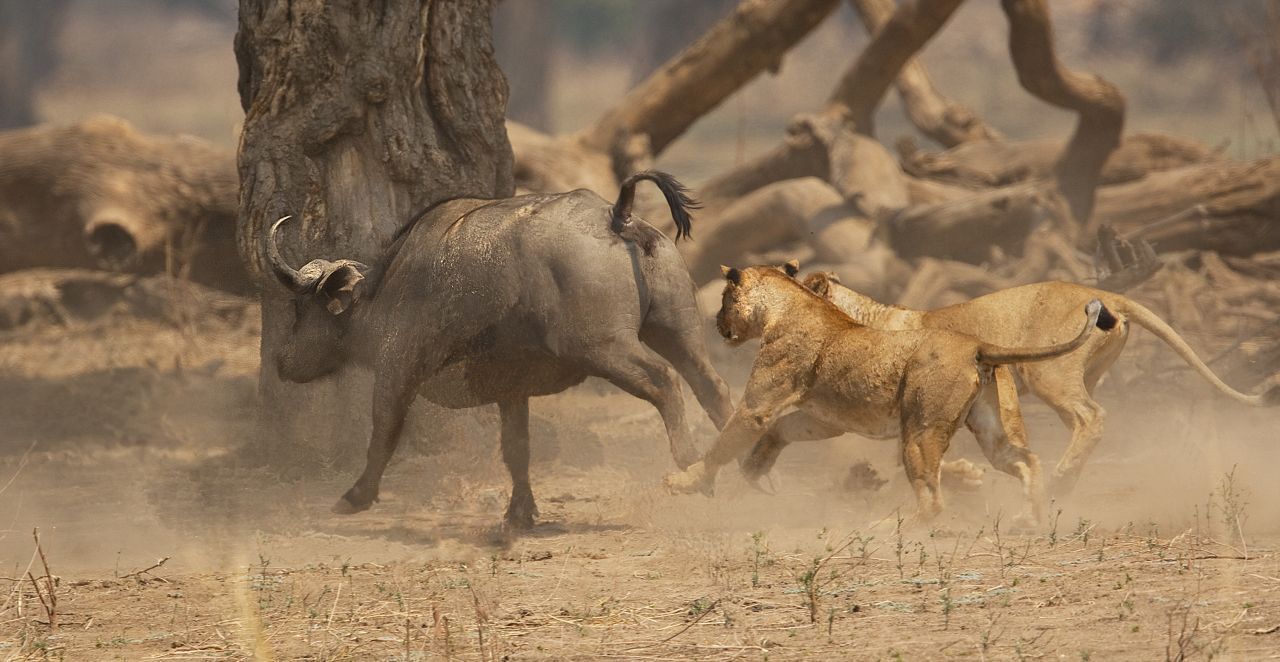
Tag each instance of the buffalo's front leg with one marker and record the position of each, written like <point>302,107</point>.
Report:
<point>515,454</point>
<point>391,400</point>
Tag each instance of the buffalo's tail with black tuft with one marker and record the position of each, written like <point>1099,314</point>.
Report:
<point>677,196</point>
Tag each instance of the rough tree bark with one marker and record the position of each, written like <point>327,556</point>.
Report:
<point>942,120</point>
<point>101,195</point>
<point>356,119</point>
<point>28,32</point>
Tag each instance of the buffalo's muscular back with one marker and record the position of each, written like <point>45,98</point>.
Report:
<point>514,290</point>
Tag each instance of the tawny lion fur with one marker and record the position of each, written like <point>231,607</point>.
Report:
<point>1031,315</point>
<point>918,385</point>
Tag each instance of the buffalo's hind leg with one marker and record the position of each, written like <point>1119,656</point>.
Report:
<point>515,454</point>
<point>636,369</point>
<point>678,338</point>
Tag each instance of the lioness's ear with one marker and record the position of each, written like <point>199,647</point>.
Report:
<point>791,268</point>
<point>731,274</point>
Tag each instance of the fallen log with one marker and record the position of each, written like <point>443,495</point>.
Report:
<point>969,228</point>
<point>1003,162</point>
<point>102,195</point>
<point>1239,201</point>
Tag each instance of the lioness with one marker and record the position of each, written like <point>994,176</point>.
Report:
<point>841,376</point>
<point>1028,315</point>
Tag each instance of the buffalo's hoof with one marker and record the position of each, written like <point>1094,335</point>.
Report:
<point>344,507</point>
<point>686,458</point>
<point>759,463</point>
<point>694,479</point>
<point>520,515</point>
<point>755,482</point>
<point>351,504</point>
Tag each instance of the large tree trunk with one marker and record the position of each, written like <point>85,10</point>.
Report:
<point>355,120</point>
<point>101,195</point>
<point>28,34</point>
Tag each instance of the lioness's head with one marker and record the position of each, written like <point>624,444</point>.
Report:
<point>820,283</point>
<point>739,319</point>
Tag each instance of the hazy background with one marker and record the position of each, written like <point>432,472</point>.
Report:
<point>167,66</point>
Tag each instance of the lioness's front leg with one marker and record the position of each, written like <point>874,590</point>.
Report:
<point>765,397</point>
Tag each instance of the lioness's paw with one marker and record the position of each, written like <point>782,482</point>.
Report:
<point>693,479</point>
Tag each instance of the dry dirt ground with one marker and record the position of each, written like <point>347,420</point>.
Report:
<point>124,442</point>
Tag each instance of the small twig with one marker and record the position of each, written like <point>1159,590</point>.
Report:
<point>40,595</point>
<point>693,622</point>
<point>1192,212</point>
<point>22,463</point>
<point>148,569</point>
<point>52,607</point>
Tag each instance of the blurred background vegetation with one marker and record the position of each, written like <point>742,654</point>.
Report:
<point>1187,67</point>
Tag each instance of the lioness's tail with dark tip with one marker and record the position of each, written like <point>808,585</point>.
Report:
<point>1148,320</point>
<point>996,355</point>
<point>677,196</point>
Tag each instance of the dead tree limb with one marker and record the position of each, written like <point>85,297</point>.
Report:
<point>984,164</point>
<point>100,194</point>
<point>1098,103</point>
<point>1236,205</point>
<point>968,228</point>
<point>754,38</point>
<point>942,120</point>
<point>806,151</point>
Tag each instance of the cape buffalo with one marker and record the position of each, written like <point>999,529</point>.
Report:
<point>495,301</point>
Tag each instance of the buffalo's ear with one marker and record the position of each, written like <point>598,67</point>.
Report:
<point>731,274</point>
<point>342,286</point>
<point>791,268</point>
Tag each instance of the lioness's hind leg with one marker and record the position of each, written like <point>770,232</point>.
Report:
<point>996,421</point>
<point>922,451</point>
<point>1085,417</point>
<point>935,399</point>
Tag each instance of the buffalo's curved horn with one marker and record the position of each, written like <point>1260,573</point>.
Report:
<point>291,278</point>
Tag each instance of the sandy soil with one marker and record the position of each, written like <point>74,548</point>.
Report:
<point>124,444</point>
